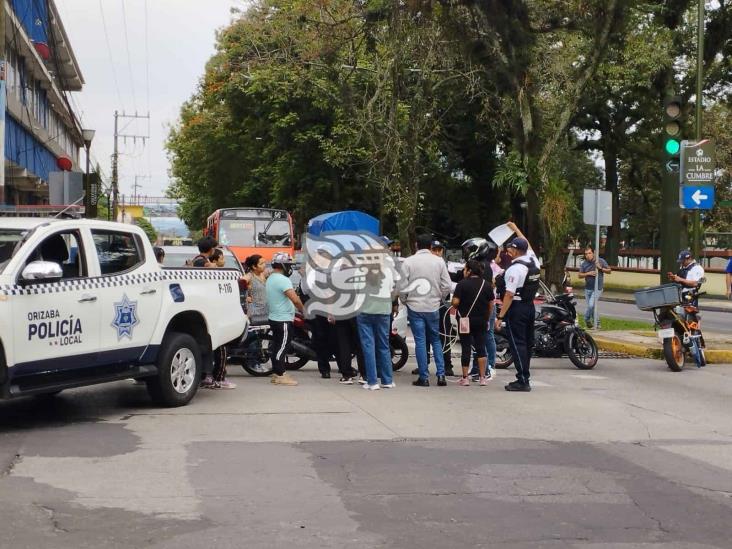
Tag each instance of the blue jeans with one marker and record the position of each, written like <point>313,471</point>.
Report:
<point>373,331</point>
<point>426,331</point>
<point>591,298</point>
<point>490,345</point>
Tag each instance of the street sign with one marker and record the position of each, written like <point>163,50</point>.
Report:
<point>697,162</point>
<point>672,166</point>
<point>697,197</point>
<point>590,208</point>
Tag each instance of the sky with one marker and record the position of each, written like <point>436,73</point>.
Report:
<point>129,70</point>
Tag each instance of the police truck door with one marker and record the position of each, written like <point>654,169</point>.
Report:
<point>57,322</point>
<point>131,295</point>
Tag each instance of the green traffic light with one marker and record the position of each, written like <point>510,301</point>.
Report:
<point>672,146</point>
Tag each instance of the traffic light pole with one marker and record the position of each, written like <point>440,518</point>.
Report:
<point>696,231</point>
<point>670,223</point>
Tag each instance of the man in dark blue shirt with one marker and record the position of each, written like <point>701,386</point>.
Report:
<point>589,270</point>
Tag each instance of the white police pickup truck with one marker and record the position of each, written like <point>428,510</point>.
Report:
<point>85,302</point>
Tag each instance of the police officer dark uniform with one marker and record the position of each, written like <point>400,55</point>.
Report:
<point>522,282</point>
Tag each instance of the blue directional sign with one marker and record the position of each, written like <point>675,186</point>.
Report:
<point>697,197</point>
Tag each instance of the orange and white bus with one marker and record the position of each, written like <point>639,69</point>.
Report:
<point>248,231</point>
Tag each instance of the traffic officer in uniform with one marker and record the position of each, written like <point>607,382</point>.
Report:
<point>517,310</point>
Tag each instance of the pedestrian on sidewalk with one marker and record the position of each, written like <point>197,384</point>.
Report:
<point>473,300</point>
<point>427,275</point>
<point>589,269</point>
<point>282,301</point>
<point>728,276</point>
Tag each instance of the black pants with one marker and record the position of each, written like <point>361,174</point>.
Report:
<point>323,339</point>
<point>520,335</point>
<point>476,338</point>
<point>348,344</point>
<point>219,371</point>
<point>281,339</point>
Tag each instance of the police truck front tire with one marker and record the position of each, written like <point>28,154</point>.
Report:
<point>179,371</point>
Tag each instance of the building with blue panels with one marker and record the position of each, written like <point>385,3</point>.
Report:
<point>40,125</point>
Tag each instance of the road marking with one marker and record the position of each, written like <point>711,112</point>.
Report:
<point>588,376</point>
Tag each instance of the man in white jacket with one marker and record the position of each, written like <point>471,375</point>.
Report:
<point>428,271</point>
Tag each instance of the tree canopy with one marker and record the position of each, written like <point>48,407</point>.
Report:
<point>449,116</point>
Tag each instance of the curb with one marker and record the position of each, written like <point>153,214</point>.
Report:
<point>704,307</point>
<point>713,356</point>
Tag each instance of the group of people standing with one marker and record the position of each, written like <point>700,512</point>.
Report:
<point>476,310</point>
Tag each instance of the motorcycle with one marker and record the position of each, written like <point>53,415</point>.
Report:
<point>253,353</point>
<point>556,333</point>
<point>677,321</point>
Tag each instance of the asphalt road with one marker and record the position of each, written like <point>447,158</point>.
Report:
<point>628,455</point>
<point>718,322</point>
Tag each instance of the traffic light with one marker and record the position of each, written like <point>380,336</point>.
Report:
<point>672,111</point>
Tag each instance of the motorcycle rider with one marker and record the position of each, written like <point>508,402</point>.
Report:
<point>690,275</point>
<point>522,282</point>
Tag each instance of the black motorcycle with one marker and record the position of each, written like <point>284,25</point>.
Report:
<point>254,351</point>
<point>556,333</point>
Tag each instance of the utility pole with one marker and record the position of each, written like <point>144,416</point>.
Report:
<point>696,231</point>
<point>3,100</point>
<point>115,178</point>
<point>137,186</point>
<point>115,154</point>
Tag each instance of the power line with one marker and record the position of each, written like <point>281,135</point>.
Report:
<point>111,58</point>
<point>129,57</point>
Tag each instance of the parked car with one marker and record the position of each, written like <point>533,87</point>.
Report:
<point>177,256</point>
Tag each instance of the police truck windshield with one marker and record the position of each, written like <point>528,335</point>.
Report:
<point>9,239</point>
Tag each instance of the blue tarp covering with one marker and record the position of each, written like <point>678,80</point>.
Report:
<point>25,150</point>
<point>343,221</point>
<point>33,16</point>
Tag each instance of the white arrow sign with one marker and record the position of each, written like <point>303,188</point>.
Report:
<point>697,197</point>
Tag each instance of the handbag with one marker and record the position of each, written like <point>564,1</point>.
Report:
<point>464,324</point>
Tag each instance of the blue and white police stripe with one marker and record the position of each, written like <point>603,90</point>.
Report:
<point>114,281</point>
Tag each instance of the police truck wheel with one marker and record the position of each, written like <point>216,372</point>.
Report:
<point>673,352</point>
<point>179,371</point>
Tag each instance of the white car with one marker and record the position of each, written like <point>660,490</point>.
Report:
<point>85,302</point>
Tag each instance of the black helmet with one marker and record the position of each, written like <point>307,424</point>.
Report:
<point>479,249</point>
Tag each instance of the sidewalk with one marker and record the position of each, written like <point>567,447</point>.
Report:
<point>707,304</point>
<point>646,344</point>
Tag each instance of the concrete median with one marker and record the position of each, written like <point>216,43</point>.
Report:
<point>647,345</point>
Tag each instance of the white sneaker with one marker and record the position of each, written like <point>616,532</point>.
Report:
<point>362,381</point>
<point>374,387</point>
<point>388,385</point>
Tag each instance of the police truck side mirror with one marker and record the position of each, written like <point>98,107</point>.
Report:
<point>41,271</point>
